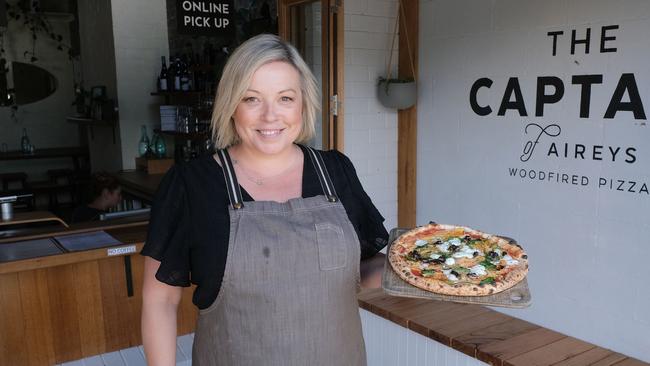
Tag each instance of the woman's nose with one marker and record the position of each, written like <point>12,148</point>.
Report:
<point>269,112</point>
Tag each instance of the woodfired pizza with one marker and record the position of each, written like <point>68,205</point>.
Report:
<point>456,260</point>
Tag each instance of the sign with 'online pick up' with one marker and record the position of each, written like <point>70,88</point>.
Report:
<point>205,17</point>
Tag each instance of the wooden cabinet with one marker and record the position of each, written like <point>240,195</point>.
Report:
<point>70,306</point>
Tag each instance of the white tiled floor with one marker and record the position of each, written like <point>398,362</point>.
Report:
<point>134,356</point>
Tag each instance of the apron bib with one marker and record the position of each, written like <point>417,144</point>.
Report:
<point>288,295</point>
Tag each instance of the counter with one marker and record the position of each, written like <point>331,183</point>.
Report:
<point>483,334</point>
<point>68,306</point>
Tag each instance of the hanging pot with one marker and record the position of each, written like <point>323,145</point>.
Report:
<point>398,94</point>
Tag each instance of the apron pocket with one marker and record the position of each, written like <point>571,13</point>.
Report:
<point>332,253</point>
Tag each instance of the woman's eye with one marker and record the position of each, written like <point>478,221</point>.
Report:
<point>250,99</point>
<point>286,99</point>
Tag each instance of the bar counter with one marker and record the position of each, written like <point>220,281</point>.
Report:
<point>68,306</point>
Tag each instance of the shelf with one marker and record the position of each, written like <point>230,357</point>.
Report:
<point>187,136</point>
<point>84,121</point>
<point>90,121</point>
<point>190,93</point>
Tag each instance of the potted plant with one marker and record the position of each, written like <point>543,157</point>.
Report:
<point>397,93</point>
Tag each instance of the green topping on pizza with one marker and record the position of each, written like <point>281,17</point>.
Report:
<point>487,281</point>
<point>428,272</point>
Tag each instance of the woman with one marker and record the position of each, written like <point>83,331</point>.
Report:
<point>106,195</point>
<point>271,232</point>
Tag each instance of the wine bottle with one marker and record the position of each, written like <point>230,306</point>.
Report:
<point>162,78</point>
<point>185,79</point>
<point>178,68</point>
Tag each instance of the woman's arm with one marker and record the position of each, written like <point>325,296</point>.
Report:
<point>159,307</point>
<point>371,270</point>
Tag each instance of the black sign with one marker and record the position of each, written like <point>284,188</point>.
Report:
<point>205,17</point>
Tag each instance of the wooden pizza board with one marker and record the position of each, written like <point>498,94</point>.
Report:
<point>517,296</point>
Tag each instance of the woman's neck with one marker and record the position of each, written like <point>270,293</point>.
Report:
<point>264,164</point>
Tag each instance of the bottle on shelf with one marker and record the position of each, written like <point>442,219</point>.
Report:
<point>178,70</point>
<point>25,144</point>
<point>163,76</point>
<point>159,147</point>
<point>143,145</point>
<point>185,77</point>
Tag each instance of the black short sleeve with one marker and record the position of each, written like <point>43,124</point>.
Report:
<point>168,232</point>
<point>362,212</point>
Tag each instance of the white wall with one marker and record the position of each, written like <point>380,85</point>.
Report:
<point>587,245</point>
<point>140,34</point>
<point>45,120</point>
<point>389,344</point>
<point>370,129</point>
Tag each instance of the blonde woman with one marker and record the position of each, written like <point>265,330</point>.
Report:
<point>271,232</point>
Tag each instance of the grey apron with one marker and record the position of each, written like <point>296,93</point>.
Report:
<point>288,295</point>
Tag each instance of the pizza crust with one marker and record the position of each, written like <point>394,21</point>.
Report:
<point>504,278</point>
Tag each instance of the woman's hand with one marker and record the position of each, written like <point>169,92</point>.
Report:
<point>371,270</point>
<point>159,307</point>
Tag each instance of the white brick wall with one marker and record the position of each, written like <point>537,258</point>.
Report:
<point>576,237</point>
<point>140,33</point>
<point>370,129</point>
<point>389,344</point>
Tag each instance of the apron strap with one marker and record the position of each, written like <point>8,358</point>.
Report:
<point>234,192</point>
<point>323,174</point>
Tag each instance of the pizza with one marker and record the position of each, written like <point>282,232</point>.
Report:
<point>456,260</point>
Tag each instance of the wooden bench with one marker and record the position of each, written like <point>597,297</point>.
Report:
<point>487,335</point>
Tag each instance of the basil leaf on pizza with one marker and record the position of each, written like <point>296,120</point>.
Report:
<point>456,260</point>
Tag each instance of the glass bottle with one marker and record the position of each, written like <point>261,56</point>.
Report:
<point>178,70</point>
<point>25,144</point>
<point>163,76</point>
<point>143,146</point>
<point>159,147</point>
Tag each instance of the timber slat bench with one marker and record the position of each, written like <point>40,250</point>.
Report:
<point>488,335</point>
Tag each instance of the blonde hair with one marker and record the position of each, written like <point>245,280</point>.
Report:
<point>236,79</point>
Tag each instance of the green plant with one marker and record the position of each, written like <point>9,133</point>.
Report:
<point>37,24</point>
<point>27,12</point>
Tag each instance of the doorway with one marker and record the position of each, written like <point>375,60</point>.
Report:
<point>315,28</point>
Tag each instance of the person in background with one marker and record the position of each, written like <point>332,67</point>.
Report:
<point>106,194</point>
<point>271,231</point>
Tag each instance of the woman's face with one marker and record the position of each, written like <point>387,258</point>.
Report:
<point>268,119</point>
<point>112,198</point>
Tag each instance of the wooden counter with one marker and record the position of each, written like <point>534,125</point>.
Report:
<point>488,335</point>
<point>73,305</point>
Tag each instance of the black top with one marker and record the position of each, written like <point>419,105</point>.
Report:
<point>189,222</point>
<point>85,213</point>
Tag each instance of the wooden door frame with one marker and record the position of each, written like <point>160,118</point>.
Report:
<point>332,37</point>
<point>407,119</point>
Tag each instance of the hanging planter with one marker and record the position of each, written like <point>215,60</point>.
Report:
<point>397,93</point>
